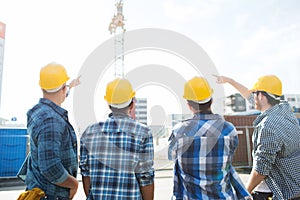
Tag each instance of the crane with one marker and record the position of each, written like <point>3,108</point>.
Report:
<point>116,27</point>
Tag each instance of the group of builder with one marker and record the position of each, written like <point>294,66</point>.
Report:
<point>117,156</point>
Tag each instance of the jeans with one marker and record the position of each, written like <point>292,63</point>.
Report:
<point>261,195</point>
<point>49,197</point>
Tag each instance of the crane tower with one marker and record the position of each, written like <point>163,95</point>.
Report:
<point>116,27</point>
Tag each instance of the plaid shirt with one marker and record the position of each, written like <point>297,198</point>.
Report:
<point>117,155</point>
<point>202,148</point>
<point>276,150</point>
<point>53,148</point>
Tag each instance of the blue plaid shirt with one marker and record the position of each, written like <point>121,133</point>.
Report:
<point>202,148</point>
<point>53,148</point>
<point>117,155</point>
<point>276,150</point>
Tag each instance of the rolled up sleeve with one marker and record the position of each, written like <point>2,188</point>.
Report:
<point>145,170</point>
<point>267,149</point>
<point>84,159</point>
<point>49,151</point>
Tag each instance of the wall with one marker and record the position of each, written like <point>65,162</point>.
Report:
<point>243,154</point>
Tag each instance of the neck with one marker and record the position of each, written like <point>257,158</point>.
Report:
<point>203,112</point>
<point>120,113</point>
<point>54,98</point>
<point>265,107</point>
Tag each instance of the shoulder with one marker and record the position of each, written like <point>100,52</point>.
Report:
<point>225,127</point>
<point>139,127</point>
<point>118,125</point>
<point>185,126</point>
<point>188,127</point>
<point>41,114</point>
<point>93,127</point>
<point>276,118</point>
<point>282,118</point>
<point>228,125</point>
<point>91,130</point>
<point>229,129</point>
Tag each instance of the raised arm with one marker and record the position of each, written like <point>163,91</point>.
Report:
<point>244,91</point>
<point>75,82</point>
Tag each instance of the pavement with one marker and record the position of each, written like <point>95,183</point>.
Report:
<point>10,188</point>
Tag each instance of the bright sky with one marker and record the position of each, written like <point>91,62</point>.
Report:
<point>244,39</point>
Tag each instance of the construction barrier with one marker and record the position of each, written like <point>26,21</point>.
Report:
<point>13,145</point>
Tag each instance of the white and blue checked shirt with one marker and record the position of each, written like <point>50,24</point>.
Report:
<point>117,155</point>
<point>203,148</point>
<point>276,150</point>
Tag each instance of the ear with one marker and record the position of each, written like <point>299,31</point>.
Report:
<point>190,107</point>
<point>132,105</point>
<point>65,88</point>
<point>261,96</point>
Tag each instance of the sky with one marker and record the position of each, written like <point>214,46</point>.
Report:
<point>244,39</point>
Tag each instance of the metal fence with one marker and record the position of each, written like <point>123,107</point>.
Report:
<point>13,150</point>
<point>14,146</point>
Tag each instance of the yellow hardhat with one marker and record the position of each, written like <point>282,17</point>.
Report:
<point>197,89</point>
<point>118,92</point>
<point>268,83</point>
<point>53,76</point>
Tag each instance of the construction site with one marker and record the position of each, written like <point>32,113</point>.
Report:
<point>14,139</point>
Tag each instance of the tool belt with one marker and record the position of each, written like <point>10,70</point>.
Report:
<point>33,194</point>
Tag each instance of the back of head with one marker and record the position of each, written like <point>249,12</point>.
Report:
<point>119,93</point>
<point>52,77</point>
<point>198,90</point>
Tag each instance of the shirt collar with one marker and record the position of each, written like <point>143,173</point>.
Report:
<point>206,116</point>
<point>204,112</point>
<point>279,109</point>
<point>118,114</point>
<point>55,107</point>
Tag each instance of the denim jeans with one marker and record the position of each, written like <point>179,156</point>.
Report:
<point>49,197</point>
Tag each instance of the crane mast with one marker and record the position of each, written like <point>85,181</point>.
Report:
<point>116,27</point>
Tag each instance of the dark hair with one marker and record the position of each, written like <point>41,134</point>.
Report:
<point>125,109</point>
<point>270,99</point>
<point>200,107</point>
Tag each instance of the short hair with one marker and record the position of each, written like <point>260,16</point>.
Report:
<point>54,91</point>
<point>270,99</point>
<point>124,110</point>
<point>200,107</point>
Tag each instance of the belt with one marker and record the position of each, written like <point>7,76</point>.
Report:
<point>50,197</point>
